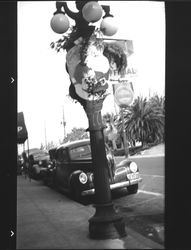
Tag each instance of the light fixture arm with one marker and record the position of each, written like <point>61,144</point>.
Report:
<point>59,6</point>
<point>76,15</point>
<point>70,13</point>
<point>106,8</point>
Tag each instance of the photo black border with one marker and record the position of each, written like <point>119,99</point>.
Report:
<point>177,128</point>
<point>8,180</point>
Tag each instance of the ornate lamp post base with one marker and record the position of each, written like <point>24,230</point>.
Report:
<point>106,223</point>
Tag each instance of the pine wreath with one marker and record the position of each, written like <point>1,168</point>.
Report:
<point>115,53</point>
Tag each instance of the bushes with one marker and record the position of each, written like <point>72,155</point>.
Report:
<point>132,151</point>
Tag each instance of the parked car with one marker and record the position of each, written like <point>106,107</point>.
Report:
<point>48,173</point>
<point>73,171</point>
<point>38,161</point>
<point>19,165</point>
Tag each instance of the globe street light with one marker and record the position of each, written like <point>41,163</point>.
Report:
<point>88,69</point>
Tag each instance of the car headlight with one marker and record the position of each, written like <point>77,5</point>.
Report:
<point>83,178</point>
<point>133,167</point>
<point>40,162</point>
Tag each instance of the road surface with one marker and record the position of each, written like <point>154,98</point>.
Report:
<point>144,211</point>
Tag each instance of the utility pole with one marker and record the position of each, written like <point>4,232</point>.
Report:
<point>45,134</point>
<point>125,143</point>
<point>64,122</point>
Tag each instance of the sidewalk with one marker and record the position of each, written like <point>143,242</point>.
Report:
<point>47,219</point>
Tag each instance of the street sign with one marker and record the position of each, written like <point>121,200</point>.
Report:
<point>123,94</point>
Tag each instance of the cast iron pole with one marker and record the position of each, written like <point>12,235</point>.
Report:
<point>106,222</point>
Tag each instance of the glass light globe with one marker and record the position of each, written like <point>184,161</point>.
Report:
<point>108,26</point>
<point>59,23</point>
<point>92,12</point>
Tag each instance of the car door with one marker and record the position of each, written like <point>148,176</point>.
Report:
<point>61,167</point>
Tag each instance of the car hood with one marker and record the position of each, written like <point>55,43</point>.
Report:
<point>86,159</point>
<point>83,164</point>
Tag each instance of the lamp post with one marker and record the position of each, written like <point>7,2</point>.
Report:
<point>89,86</point>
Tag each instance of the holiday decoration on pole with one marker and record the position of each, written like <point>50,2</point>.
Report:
<point>88,72</point>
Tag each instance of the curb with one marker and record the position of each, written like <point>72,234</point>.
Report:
<point>147,156</point>
<point>140,156</point>
<point>141,241</point>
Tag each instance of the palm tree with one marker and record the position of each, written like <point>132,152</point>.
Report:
<point>158,101</point>
<point>76,134</point>
<point>110,131</point>
<point>144,122</point>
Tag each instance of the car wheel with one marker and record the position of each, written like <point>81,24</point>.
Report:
<point>132,189</point>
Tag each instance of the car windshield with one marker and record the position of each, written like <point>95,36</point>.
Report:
<point>40,155</point>
<point>80,152</point>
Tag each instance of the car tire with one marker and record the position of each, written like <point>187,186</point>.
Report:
<point>133,189</point>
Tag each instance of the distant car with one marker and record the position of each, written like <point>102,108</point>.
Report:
<point>19,165</point>
<point>38,161</point>
<point>48,173</point>
<point>73,171</point>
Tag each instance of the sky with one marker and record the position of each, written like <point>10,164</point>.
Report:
<point>43,82</point>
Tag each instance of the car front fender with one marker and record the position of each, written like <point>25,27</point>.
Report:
<point>124,163</point>
<point>74,175</point>
<point>37,168</point>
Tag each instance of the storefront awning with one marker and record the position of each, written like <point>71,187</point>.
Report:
<point>22,134</point>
